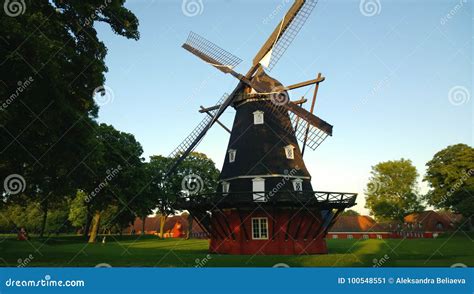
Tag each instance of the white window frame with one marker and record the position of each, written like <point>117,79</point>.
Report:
<point>258,117</point>
<point>258,231</point>
<point>258,187</point>
<point>225,187</point>
<point>232,154</point>
<point>379,236</point>
<point>365,236</point>
<point>335,236</point>
<point>295,185</point>
<point>350,236</point>
<point>290,148</point>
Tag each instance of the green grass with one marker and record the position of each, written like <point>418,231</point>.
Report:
<point>150,251</point>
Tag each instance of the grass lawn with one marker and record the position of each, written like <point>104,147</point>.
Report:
<point>150,251</point>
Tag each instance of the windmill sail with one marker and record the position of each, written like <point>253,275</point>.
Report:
<point>211,53</point>
<point>304,124</point>
<point>194,135</point>
<point>284,34</point>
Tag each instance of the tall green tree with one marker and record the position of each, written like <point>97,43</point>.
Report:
<point>450,175</point>
<point>52,62</point>
<point>392,192</point>
<point>115,176</point>
<point>197,174</point>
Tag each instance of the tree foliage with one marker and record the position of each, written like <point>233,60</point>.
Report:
<point>350,212</point>
<point>197,167</point>
<point>391,192</point>
<point>450,175</point>
<point>52,62</point>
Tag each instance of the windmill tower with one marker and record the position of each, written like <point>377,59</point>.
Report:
<point>264,203</point>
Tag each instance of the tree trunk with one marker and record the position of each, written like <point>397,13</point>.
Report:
<point>44,208</point>
<point>143,226</point>
<point>88,222</point>
<point>95,227</point>
<point>190,226</point>
<point>162,224</point>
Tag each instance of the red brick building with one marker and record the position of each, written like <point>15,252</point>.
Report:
<point>425,224</point>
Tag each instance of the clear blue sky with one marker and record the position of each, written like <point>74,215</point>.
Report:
<point>387,78</point>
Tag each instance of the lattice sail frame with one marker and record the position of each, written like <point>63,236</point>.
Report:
<point>290,33</point>
<point>183,146</point>
<point>314,136</point>
<point>209,49</point>
<point>300,126</point>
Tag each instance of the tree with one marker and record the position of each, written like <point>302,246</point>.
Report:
<point>52,62</point>
<point>78,210</point>
<point>119,161</point>
<point>350,212</point>
<point>197,174</point>
<point>450,175</point>
<point>148,199</point>
<point>392,190</point>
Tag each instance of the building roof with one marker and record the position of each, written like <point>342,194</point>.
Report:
<point>433,220</point>
<point>356,223</point>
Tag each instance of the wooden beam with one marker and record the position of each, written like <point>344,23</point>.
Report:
<point>311,110</point>
<point>217,121</point>
<point>242,225</point>
<point>305,83</point>
<point>206,109</point>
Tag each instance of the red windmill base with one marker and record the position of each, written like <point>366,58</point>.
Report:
<point>269,228</point>
<point>283,232</point>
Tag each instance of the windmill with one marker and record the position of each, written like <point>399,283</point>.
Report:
<point>264,202</point>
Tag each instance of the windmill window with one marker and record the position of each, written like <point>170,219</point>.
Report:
<point>350,237</point>
<point>225,187</point>
<point>258,187</point>
<point>258,117</point>
<point>298,185</point>
<point>365,236</point>
<point>260,228</point>
<point>232,153</point>
<point>289,152</point>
